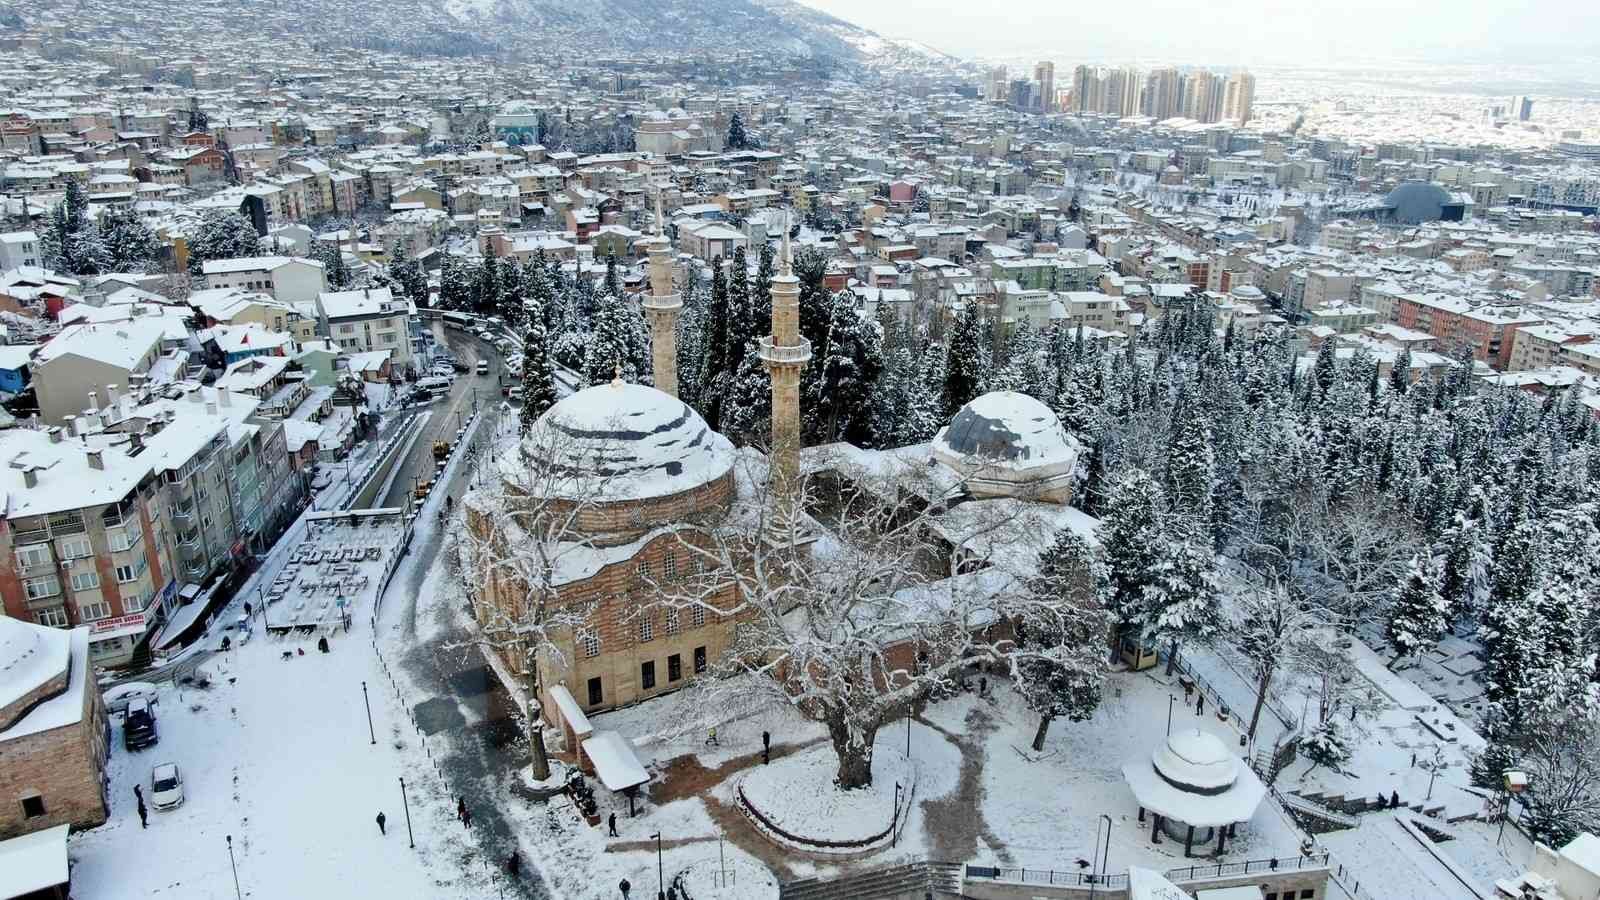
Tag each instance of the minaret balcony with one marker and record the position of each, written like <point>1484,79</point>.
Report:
<point>790,354</point>
<point>662,302</point>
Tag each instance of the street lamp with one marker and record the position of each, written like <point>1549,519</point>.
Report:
<point>894,818</point>
<point>239,895</point>
<point>1171,699</point>
<point>364,699</point>
<point>1096,859</point>
<point>661,876</point>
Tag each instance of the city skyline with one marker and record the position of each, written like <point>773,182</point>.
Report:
<point>1236,32</point>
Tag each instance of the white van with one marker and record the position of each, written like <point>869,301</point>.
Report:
<point>437,384</point>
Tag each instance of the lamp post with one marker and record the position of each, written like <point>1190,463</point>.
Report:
<point>1171,699</point>
<point>1097,864</point>
<point>406,802</point>
<point>365,699</point>
<point>661,872</point>
<point>894,818</point>
<point>239,895</point>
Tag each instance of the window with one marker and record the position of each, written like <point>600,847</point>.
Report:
<point>672,621</point>
<point>643,571</point>
<point>674,667</point>
<point>85,581</point>
<point>669,566</point>
<point>1307,893</point>
<point>91,612</point>
<point>76,548</point>
<point>699,660</point>
<point>38,588</point>
<point>33,555</point>
<point>647,675</point>
<point>55,617</point>
<point>137,604</point>
<point>596,696</point>
<point>32,806</point>
<point>591,645</point>
<point>647,627</point>
<point>697,615</point>
<point>125,574</point>
<point>119,540</point>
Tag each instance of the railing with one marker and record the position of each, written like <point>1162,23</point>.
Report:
<point>1184,874</point>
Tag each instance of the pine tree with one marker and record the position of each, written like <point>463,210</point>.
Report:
<point>1400,375</point>
<point>737,139</point>
<point>617,344</point>
<point>487,285</point>
<point>1191,465</point>
<point>966,367</point>
<point>747,420</point>
<point>1061,658</point>
<point>715,364</point>
<point>743,328</point>
<point>222,234</point>
<point>1325,372</point>
<point>334,270</point>
<point>406,274</point>
<point>127,243</point>
<point>455,283</point>
<point>538,377</point>
<point>1417,614</point>
<point>70,244</point>
<point>1132,531</point>
<point>851,360</point>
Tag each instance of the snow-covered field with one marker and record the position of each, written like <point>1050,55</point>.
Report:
<point>796,793</point>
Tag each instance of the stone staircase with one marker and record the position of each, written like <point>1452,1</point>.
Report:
<point>906,881</point>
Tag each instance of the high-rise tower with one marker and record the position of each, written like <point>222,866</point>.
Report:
<point>785,352</point>
<point>661,307</point>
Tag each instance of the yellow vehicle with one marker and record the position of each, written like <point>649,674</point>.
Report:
<point>422,489</point>
<point>441,449</point>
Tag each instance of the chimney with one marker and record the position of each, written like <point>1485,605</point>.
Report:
<point>94,402</point>
<point>135,442</point>
<point>111,395</point>
<point>195,396</point>
<point>30,476</point>
<point>55,434</point>
<point>97,458</point>
<point>71,423</point>
<point>225,398</point>
<point>211,408</point>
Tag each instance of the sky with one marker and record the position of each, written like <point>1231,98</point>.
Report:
<point>1239,32</point>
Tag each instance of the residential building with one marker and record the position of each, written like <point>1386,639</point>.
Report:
<point>368,319</point>
<point>286,278</point>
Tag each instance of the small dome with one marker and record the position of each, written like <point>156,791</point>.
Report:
<point>1415,202</point>
<point>626,441</point>
<point>1196,760</point>
<point>1008,428</point>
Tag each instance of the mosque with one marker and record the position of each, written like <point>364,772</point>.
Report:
<point>637,480</point>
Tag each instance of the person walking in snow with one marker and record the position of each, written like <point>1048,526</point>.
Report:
<point>711,737</point>
<point>612,824</point>
<point>144,815</point>
<point>514,864</point>
<point>466,818</point>
<point>461,808</point>
<point>766,747</point>
<point>1394,799</point>
<point>382,819</point>
<point>138,794</point>
<point>625,886</point>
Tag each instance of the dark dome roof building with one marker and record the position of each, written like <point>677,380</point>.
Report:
<point>1007,444</point>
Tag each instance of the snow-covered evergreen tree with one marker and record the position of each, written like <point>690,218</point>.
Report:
<point>538,377</point>
<point>1418,615</point>
<point>1060,662</point>
<point>747,419</point>
<point>222,234</point>
<point>128,245</point>
<point>966,362</point>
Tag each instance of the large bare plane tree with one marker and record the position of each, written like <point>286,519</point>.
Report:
<point>845,606</point>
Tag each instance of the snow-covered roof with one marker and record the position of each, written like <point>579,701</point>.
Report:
<point>33,862</point>
<point>1007,428</point>
<point>119,344</point>
<point>30,655</point>
<point>1148,884</point>
<point>64,477</point>
<point>65,708</point>
<point>1195,779</point>
<point>615,763</point>
<point>625,442</point>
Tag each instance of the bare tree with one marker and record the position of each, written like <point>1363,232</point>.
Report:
<point>855,624</point>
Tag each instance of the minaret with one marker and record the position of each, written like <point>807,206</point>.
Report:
<point>661,307</point>
<point>785,352</point>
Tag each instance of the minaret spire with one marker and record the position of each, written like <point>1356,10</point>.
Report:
<point>661,307</point>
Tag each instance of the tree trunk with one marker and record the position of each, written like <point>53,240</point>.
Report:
<point>1172,656</point>
<point>855,755</point>
<point>1038,736</point>
<point>1261,700</point>
<point>541,756</point>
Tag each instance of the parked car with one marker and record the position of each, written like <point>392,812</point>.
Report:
<point>166,786</point>
<point>483,367</point>
<point>117,698</point>
<point>139,725</point>
<point>458,366</point>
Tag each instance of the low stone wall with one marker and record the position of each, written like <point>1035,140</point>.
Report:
<point>1283,883</point>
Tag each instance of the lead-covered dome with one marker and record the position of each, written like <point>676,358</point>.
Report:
<point>630,458</point>
<point>1197,761</point>
<point>1009,444</point>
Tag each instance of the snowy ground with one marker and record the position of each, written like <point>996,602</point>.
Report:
<point>282,760</point>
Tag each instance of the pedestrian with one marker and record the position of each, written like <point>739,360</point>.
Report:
<point>711,737</point>
<point>322,643</point>
<point>226,643</point>
<point>514,864</point>
<point>461,808</point>
<point>1200,705</point>
<point>625,888</point>
<point>766,747</point>
<point>1394,799</point>
<point>612,824</point>
<point>983,686</point>
<point>466,819</point>
<point>138,793</point>
<point>382,819</point>
<point>144,815</point>
<point>247,609</point>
